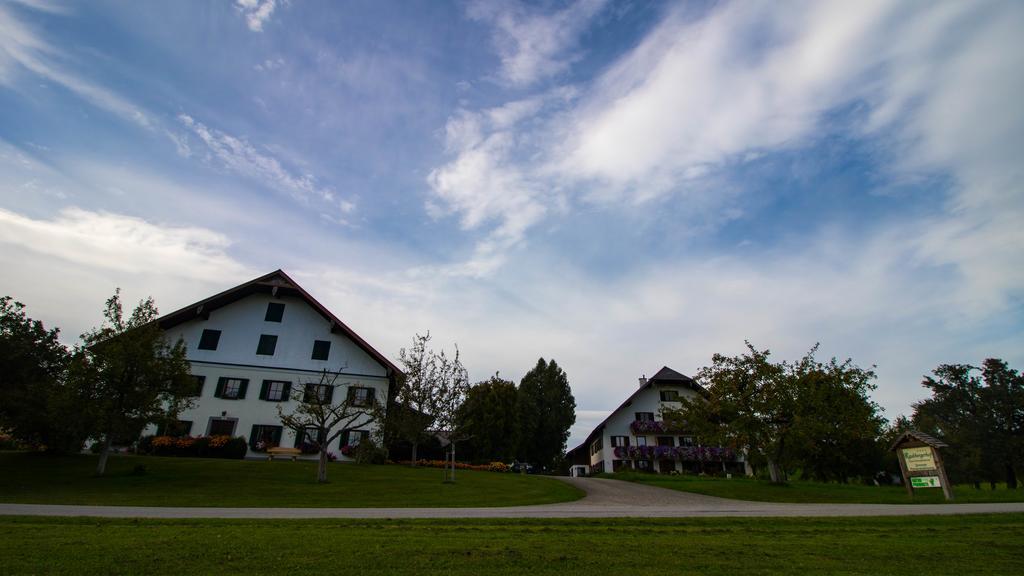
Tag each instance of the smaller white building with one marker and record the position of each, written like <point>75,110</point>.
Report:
<point>264,344</point>
<point>634,436</point>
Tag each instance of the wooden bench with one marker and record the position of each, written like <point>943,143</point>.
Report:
<point>280,451</point>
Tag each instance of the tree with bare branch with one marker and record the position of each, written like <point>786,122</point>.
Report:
<point>328,412</point>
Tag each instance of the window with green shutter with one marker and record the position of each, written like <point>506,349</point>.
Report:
<point>275,390</point>
<point>231,388</point>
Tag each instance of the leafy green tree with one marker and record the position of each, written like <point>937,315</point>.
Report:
<point>489,421</point>
<point>36,404</point>
<point>749,407</point>
<point>546,410</point>
<point>837,427</point>
<point>979,412</point>
<point>785,416</point>
<point>130,374</point>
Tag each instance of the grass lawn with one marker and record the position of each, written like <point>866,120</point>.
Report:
<point>741,488</point>
<point>35,478</point>
<point>992,544</point>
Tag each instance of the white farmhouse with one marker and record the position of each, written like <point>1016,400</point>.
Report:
<point>635,437</point>
<point>263,344</point>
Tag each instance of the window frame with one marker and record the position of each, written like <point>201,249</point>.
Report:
<point>620,441</point>
<point>644,416</point>
<point>673,395</point>
<point>222,386</point>
<point>268,387</point>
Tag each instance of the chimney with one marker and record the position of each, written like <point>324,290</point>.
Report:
<point>643,380</point>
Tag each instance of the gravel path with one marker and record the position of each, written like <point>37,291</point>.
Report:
<point>605,499</point>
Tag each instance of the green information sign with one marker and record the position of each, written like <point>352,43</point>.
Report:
<point>925,482</point>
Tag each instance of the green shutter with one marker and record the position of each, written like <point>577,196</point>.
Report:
<point>344,438</point>
<point>330,395</point>
<point>277,435</point>
<point>371,395</point>
<point>242,388</point>
<point>219,391</point>
<point>284,394</point>
<point>263,389</point>
<point>253,435</point>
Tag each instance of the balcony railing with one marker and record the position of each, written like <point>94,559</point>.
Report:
<point>642,427</point>
<point>683,453</point>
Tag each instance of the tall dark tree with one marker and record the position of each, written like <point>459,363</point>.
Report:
<point>489,421</point>
<point>980,414</point>
<point>36,404</point>
<point>546,410</point>
<point>131,374</point>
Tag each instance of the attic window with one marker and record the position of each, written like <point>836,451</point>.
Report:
<point>321,349</point>
<point>209,339</point>
<point>268,342</point>
<point>670,395</point>
<point>275,311</point>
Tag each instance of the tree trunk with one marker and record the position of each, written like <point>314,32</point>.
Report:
<point>1011,476</point>
<point>101,466</point>
<point>775,472</point>
<point>453,462</point>
<point>415,444</point>
<point>321,468</point>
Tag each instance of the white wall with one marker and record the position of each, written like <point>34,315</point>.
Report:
<point>648,400</point>
<point>241,324</point>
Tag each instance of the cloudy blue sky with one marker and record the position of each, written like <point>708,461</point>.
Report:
<point>615,185</point>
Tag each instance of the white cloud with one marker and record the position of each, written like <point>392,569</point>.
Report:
<point>63,268</point>
<point>256,12</point>
<point>21,49</point>
<point>533,45</point>
<point>241,157</point>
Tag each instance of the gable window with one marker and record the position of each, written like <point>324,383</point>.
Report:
<point>209,339</point>
<point>222,427</point>
<point>275,311</point>
<point>321,349</point>
<point>666,441</point>
<point>264,436</point>
<point>268,342</point>
<point>619,441</point>
<point>231,388</point>
<point>319,393</point>
<point>360,396</point>
<point>275,390</point>
<point>645,416</point>
<point>197,383</point>
<point>670,395</point>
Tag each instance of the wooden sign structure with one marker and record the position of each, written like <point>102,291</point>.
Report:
<point>921,463</point>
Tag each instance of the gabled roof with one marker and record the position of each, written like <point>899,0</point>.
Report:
<point>920,437</point>
<point>276,283</point>
<point>665,376</point>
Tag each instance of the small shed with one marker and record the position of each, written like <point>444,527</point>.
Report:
<point>921,463</point>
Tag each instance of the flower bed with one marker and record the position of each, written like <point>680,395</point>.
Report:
<point>685,453</point>
<point>492,467</point>
<point>194,446</point>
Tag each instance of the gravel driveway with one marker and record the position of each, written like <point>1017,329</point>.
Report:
<point>604,499</point>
